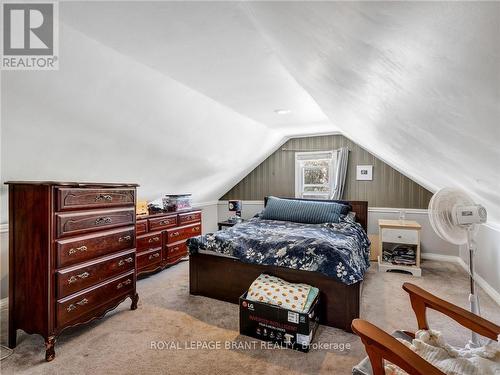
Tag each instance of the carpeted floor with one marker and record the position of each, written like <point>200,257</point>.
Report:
<point>121,342</point>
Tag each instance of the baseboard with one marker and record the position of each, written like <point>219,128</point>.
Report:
<point>416,211</point>
<point>440,257</point>
<point>487,288</point>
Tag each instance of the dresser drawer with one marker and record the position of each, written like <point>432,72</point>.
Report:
<point>407,236</point>
<point>183,233</point>
<point>177,249</point>
<point>141,227</point>
<point>83,248</point>
<point>164,222</point>
<point>73,279</point>
<point>189,217</point>
<point>149,241</point>
<point>75,198</point>
<point>149,260</point>
<point>80,222</point>
<point>77,306</point>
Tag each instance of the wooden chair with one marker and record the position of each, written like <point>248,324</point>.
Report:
<point>379,345</point>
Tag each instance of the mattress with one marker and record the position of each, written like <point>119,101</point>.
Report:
<point>338,250</point>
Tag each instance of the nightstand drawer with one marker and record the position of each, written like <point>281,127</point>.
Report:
<point>407,236</point>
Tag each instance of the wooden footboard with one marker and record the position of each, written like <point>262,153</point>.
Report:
<point>226,279</point>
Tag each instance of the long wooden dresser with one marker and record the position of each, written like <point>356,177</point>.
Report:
<point>72,255</point>
<point>161,238</point>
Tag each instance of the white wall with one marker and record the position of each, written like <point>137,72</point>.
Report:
<point>487,258</point>
<point>209,216</point>
<point>105,117</point>
<point>431,243</point>
<point>415,83</point>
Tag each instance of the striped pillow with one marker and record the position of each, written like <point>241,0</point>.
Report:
<point>299,211</point>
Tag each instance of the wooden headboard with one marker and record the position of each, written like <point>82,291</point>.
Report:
<point>360,207</point>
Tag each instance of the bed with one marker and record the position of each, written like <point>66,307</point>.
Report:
<point>225,274</point>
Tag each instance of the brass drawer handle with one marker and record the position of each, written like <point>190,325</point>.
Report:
<point>122,261</point>
<point>174,249</point>
<point>75,250</point>
<point>79,303</point>
<point>165,222</point>
<point>103,197</point>
<point>122,284</point>
<point>74,278</point>
<point>175,234</point>
<point>125,238</point>
<point>155,255</point>
<point>103,220</point>
<point>83,302</point>
<point>195,229</point>
<point>154,239</point>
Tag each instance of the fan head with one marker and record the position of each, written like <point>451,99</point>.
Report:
<point>443,214</point>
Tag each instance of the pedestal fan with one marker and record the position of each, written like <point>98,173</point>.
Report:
<point>455,217</point>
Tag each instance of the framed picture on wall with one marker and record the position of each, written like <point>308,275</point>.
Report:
<point>364,172</point>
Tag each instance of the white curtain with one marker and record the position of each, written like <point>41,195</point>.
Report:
<point>340,172</point>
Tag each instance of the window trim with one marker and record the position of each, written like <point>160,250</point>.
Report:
<point>330,156</point>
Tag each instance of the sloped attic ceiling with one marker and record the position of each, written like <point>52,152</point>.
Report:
<point>416,83</point>
<point>184,93</point>
<point>177,97</point>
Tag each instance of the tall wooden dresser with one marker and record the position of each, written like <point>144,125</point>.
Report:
<point>71,255</point>
<point>161,238</point>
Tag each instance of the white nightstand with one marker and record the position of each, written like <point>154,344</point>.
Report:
<point>397,234</point>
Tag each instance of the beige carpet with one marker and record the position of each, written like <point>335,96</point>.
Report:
<point>121,342</point>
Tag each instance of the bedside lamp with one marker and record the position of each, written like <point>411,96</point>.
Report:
<point>235,206</point>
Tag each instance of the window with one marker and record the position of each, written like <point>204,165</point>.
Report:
<point>314,174</point>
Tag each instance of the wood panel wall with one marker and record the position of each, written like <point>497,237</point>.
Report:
<point>276,176</point>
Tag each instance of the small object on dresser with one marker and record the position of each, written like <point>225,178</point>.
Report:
<point>177,202</point>
<point>141,208</point>
<point>154,208</point>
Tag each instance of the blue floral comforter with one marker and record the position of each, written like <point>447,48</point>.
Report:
<point>339,250</point>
